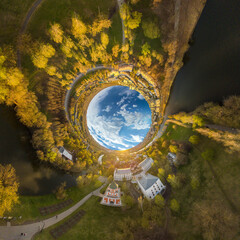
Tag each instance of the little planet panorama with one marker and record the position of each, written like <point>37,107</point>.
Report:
<point>118,118</point>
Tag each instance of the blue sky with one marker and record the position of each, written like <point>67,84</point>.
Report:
<point>118,118</point>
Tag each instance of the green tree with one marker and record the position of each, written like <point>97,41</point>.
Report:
<point>61,191</point>
<point>135,19</point>
<point>150,29</point>
<point>128,200</point>
<point>174,205</point>
<point>8,188</point>
<point>208,154</point>
<point>194,139</point>
<point>195,182</point>
<point>197,121</point>
<point>146,49</point>
<point>173,180</point>
<point>159,201</point>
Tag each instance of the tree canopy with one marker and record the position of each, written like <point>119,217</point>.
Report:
<point>8,188</point>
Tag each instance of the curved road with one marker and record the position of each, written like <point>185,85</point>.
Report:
<point>14,232</point>
<point>25,23</point>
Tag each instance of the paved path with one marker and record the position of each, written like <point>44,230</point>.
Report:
<point>25,23</point>
<point>14,232</point>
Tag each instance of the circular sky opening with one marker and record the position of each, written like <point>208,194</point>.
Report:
<point>118,118</point>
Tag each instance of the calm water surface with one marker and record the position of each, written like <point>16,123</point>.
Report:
<point>15,148</point>
<point>212,68</point>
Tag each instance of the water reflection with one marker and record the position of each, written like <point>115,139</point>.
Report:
<point>15,148</point>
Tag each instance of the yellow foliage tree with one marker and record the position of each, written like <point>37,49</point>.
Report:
<point>99,24</point>
<point>104,39</point>
<point>42,54</point>
<point>115,50</point>
<point>14,77</point>
<point>78,27</point>
<point>8,188</point>
<point>56,33</point>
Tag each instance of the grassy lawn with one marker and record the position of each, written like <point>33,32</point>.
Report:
<point>28,206</point>
<point>226,168</point>
<point>99,223</point>
<point>12,13</point>
<point>61,11</point>
<point>144,7</point>
<point>176,132</point>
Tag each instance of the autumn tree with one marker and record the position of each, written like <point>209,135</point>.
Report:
<point>78,27</point>
<point>60,192</point>
<point>173,180</point>
<point>173,148</point>
<point>8,188</point>
<point>99,24</point>
<point>115,50</point>
<point>194,139</point>
<point>146,49</point>
<point>135,19</point>
<point>41,55</point>
<point>56,32</point>
<point>104,39</point>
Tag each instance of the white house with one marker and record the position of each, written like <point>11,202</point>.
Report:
<point>65,153</point>
<point>172,157</point>
<point>150,186</point>
<point>100,159</point>
<point>146,164</point>
<point>122,174</point>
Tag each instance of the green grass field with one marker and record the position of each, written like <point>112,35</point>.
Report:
<point>221,185</point>
<point>28,206</point>
<point>12,13</point>
<point>99,223</point>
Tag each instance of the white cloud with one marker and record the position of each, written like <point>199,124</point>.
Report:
<point>127,92</point>
<point>135,119</point>
<point>137,138</point>
<point>134,105</point>
<point>121,101</point>
<point>107,109</point>
<point>140,96</point>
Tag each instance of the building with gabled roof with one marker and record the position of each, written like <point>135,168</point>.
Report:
<point>150,185</point>
<point>112,195</point>
<point>122,174</point>
<point>146,164</point>
<point>65,153</point>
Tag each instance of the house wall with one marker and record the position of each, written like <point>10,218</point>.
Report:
<point>155,189</point>
<point>121,177</point>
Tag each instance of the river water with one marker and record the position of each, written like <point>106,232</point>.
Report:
<point>212,68</point>
<point>211,73</point>
<point>15,148</point>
